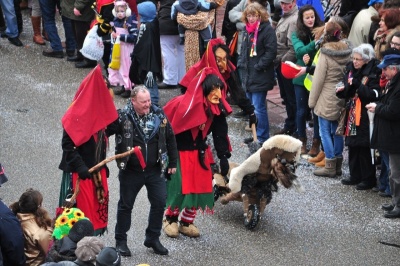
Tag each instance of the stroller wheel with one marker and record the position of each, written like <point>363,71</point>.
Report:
<point>217,192</point>
<point>252,218</point>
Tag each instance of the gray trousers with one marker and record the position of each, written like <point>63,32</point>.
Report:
<point>394,178</point>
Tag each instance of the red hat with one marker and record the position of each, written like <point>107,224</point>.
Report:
<point>289,70</point>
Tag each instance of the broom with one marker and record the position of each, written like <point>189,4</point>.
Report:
<point>69,203</point>
<point>254,145</point>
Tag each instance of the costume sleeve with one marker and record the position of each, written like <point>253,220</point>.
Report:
<point>113,128</point>
<point>238,95</point>
<point>171,147</point>
<point>131,37</point>
<point>72,156</point>
<point>219,129</point>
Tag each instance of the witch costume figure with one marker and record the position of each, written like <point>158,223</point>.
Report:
<point>192,119</point>
<point>84,144</point>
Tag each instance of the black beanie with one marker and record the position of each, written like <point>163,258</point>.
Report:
<point>108,256</point>
<point>81,229</point>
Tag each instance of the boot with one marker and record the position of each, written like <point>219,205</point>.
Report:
<point>320,156</point>
<point>37,36</point>
<point>339,161</point>
<point>170,226</point>
<point>321,163</point>
<point>315,147</point>
<point>329,170</point>
<point>188,229</point>
<point>303,145</point>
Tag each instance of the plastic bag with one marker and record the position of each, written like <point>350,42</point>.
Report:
<point>116,55</point>
<point>93,47</point>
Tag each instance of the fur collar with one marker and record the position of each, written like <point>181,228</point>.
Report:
<point>342,48</point>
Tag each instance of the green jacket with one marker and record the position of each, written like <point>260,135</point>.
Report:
<point>84,6</point>
<point>300,50</point>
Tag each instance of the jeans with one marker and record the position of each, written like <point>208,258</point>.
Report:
<point>49,21</point>
<point>316,127</point>
<point>333,144</point>
<point>154,93</point>
<point>383,178</point>
<point>11,19</point>
<point>130,183</point>
<point>258,99</point>
<point>302,108</point>
<point>288,95</point>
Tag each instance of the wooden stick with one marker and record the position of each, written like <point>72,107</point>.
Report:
<point>71,200</point>
<point>254,132</point>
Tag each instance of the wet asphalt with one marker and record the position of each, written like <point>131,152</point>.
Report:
<point>328,224</point>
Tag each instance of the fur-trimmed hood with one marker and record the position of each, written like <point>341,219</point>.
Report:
<point>338,51</point>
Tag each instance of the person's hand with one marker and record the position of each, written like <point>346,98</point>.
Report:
<point>252,119</point>
<point>114,35</point>
<point>371,107</point>
<point>84,174</point>
<point>171,171</point>
<point>224,166</point>
<point>306,59</point>
<point>149,80</point>
<point>77,12</point>
<point>301,72</point>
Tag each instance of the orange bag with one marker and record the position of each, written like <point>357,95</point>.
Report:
<point>233,43</point>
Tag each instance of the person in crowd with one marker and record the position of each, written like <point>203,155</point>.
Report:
<point>143,124</point>
<point>84,145</point>
<point>146,57</point>
<point>125,27</point>
<point>389,23</point>
<point>361,86</point>
<point>81,15</point>
<point>362,23</point>
<point>304,44</point>
<point>228,27</point>
<point>190,188</point>
<point>64,249</point>
<point>335,53</point>
<point>49,9</point>
<point>35,224</point>
<point>36,19</point>
<point>189,7</point>
<point>349,9</point>
<point>173,54</point>
<point>284,30</point>
<point>256,62</point>
<point>387,128</point>
<point>11,31</point>
<point>11,235</point>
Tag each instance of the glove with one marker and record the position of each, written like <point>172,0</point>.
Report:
<point>149,80</point>
<point>84,174</point>
<point>252,119</point>
<point>224,165</point>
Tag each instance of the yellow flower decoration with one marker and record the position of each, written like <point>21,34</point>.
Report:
<point>72,221</point>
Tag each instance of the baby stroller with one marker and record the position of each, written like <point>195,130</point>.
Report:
<point>253,181</point>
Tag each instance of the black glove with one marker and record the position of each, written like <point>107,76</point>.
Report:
<point>84,174</point>
<point>252,119</point>
<point>224,165</point>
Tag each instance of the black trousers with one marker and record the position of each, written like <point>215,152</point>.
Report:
<point>360,165</point>
<point>288,95</point>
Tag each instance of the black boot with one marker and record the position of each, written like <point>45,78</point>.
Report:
<point>156,246</point>
<point>123,249</point>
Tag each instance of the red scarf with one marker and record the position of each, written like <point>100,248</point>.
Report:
<point>253,28</point>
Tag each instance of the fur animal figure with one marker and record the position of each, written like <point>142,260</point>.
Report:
<point>270,162</point>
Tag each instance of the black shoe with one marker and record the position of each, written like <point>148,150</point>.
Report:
<point>248,140</point>
<point>51,53</point>
<point>375,189</point>
<point>349,182</point>
<point>364,186</point>
<point>74,58</point>
<point>383,194</point>
<point>387,207</point>
<point>156,246</point>
<point>162,86</point>
<point>126,94</point>
<point>123,249</point>
<point>15,41</point>
<point>285,131</point>
<point>86,64</point>
<point>395,213</point>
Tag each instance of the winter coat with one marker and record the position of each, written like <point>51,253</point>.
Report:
<point>361,26</point>
<point>258,70</point>
<point>167,25</point>
<point>84,6</point>
<point>386,134</point>
<point>284,30</point>
<point>37,239</point>
<point>382,41</point>
<point>151,149</point>
<point>11,238</point>
<point>300,49</point>
<point>367,93</point>
<point>229,28</point>
<point>235,16</point>
<point>329,71</point>
<point>62,250</point>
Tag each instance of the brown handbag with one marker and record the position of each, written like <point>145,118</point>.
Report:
<point>341,123</point>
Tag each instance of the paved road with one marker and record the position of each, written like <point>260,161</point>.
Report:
<point>329,224</point>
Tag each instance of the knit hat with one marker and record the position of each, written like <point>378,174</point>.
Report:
<point>3,177</point>
<point>66,220</point>
<point>81,229</point>
<point>108,256</point>
<point>88,248</point>
<point>147,11</point>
